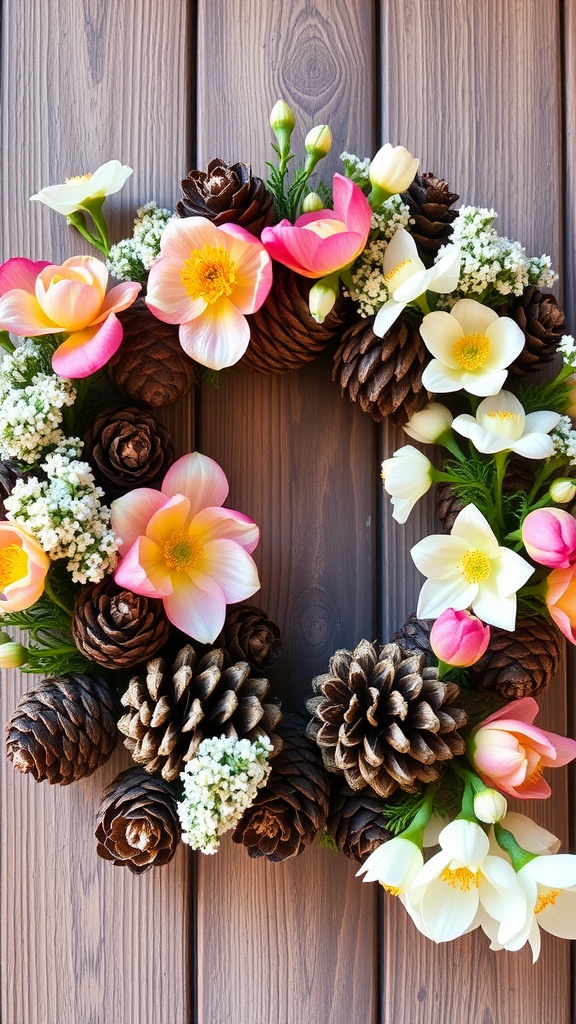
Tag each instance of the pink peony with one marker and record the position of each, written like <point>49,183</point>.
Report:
<point>549,536</point>
<point>459,638</point>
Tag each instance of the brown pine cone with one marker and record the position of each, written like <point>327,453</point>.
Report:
<point>384,375</point>
<point>228,194</point>
<point>290,811</point>
<point>172,709</point>
<point>10,472</point>
<point>384,719</point>
<point>63,729</point>
<point>429,201</point>
<point>127,448</point>
<point>137,822</point>
<point>356,821</point>
<point>116,628</point>
<point>543,323</point>
<point>414,635</point>
<point>283,333</point>
<point>150,367</point>
<point>250,636</point>
<point>522,663</point>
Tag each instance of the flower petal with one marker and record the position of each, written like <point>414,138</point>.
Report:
<point>387,315</point>
<point>438,595</point>
<point>198,607</point>
<point>224,523</point>
<point>474,317</point>
<point>217,338</point>
<point>130,514</point>
<point>21,313</point>
<point>438,556</point>
<point>231,567</point>
<point>172,517</point>
<point>20,273</point>
<point>199,478</point>
<point>144,571</point>
<point>85,352</point>
<point>166,295</point>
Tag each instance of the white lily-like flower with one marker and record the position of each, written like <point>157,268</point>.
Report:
<point>529,835</point>
<point>430,423</point>
<point>406,476</point>
<point>472,347</point>
<point>469,569</point>
<point>394,864</point>
<point>76,192</point>
<point>406,277</point>
<point>502,425</point>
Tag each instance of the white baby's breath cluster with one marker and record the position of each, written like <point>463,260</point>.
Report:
<point>132,258</point>
<point>31,402</point>
<point>220,783</point>
<point>368,288</point>
<point>357,168</point>
<point>61,507</point>
<point>564,439</point>
<point>567,348</point>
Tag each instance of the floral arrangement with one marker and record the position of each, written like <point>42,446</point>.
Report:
<point>129,575</point>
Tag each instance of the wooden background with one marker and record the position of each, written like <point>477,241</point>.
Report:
<point>482,91</point>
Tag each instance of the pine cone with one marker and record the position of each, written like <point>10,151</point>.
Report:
<point>283,333</point>
<point>63,729</point>
<point>137,823</point>
<point>10,472</point>
<point>429,201</point>
<point>290,811</point>
<point>384,375</point>
<point>384,719</point>
<point>356,821</point>
<point>414,635</point>
<point>543,323</point>
<point>116,628</point>
<point>519,476</point>
<point>171,710</point>
<point>127,448</point>
<point>250,636</point>
<point>522,663</point>
<point>150,367</point>
<point>228,194</point>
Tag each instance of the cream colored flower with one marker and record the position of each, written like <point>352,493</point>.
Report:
<point>430,423</point>
<point>394,864</point>
<point>393,169</point>
<point>501,425</point>
<point>406,476</point>
<point>76,192</point>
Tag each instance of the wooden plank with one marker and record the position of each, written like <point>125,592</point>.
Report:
<point>463,91</point>
<point>80,940</point>
<point>283,942</point>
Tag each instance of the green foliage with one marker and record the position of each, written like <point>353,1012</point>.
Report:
<point>327,840</point>
<point>51,649</point>
<point>549,394</point>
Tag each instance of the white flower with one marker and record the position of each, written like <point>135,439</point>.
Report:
<point>406,476</point>
<point>406,277</point>
<point>564,439</point>
<point>472,346</point>
<point>490,806</point>
<point>567,347</point>
<point>393,169</point>
<point>76,192</point>
<point>467,569</point>
<point>502,425</point>
<point>430,423</point>
<point>394,864</point>
<point>530,836</point>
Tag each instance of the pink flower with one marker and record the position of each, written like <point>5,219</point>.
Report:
<point>459,638</point>
<point>206,280</point>
<point>510,753</point>
<point>23,568</point>
<point>561,600</point>
<point>38,298</point>
<point>549,536</point>
<point>325,241</point>
<point>181,546</point>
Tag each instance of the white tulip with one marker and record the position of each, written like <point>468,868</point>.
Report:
<point>406,476</point>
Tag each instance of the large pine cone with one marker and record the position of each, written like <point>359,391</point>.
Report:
<point>116,628</point>
<point>543,323</point>
<point>127,448</point>
<point>384,719</point>
<point>290,811</point>
<point>150,367</point>
<point>522,663</point>
<point>283,333</point>
<point>384,375</point>
<point>137,822</point>
<point>228,194</point>
<point>63,729</point>
<point>172,709</point>
<point>429,200</point>
<point>250,636</point>
<point>356,822</point>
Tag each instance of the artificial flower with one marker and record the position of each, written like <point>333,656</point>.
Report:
<point>562,490</point>
<point>406,476</point>
<point>549,536</point>
<point>395,864</point>
<point>70,299</point>
<point>560,596</point>
<point>76,193</point>
<point>472,346</point>
<point>468,568</point>
<point>430,423</point>
<point>206,280</point>
<point>501,425</point>
<point>490,806</point>
<point>529,835</point>
<point>318,142</point>
<point>393,169</point>
<point>407,279</point>
<point>459,638</point>
<point>181,546</point>
<point>23,568</point>
<point>508,751</point>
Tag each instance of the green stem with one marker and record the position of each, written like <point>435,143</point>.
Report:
<point>94,208</point>
<point>80,225</point>
<point>500,460</point>
<point>5,342</point>
<point>49,591</point>
<point>506,842</point>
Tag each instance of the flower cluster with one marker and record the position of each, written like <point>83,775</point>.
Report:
<point>32,399</point>
<point>368,288</point>
<point>132,258</point>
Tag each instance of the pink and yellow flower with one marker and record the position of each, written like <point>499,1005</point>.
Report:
<point>178,544</point>
<point>549,536</point>
<point>459,638</point>
<point>206,280</point>
<point>561,600</point>
<point>71,299</point>
<point>23,568</point>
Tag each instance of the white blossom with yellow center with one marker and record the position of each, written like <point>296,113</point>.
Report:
<point>501,425</point>
<point>76,191</point>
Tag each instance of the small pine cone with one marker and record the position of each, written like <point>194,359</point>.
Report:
<point>429,201</point>
<point>384,375</point>
<point>116,628</point>
<point>63,729</point>
<point>356,821</point>
<point>9,474</point>
<point>291,809</point>
<point>127,448</point>
<point>172,709</point>
<point>543,323</point>
<point>384,719</point>
<point>137,822</point>
<point>283,333</point>
<point>522,663</point>
<point>150,367</point>
<point>250,636</point>
<point>228,194</point>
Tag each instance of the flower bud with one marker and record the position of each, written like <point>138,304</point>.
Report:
<point>549,536</point>
<point>12,654</point>
<point>282,117</point>
<point>562,490</point>
<point>430,423</point>
<point>312,203</point>
<point>393,169</point>
<point>318,142</point>
<point>322,297</point>
<point>459,638</point>
<point>490,806</point>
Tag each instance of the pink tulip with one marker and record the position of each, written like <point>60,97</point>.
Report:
<point>561,600</point>
<point>510,753</point>
<point>459,638</point>
<point>325,241</point>
<point>179,545</point>
<point>23,568</point>
<point>549,536</point>
<point>70,299</point>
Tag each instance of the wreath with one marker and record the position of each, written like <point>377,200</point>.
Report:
<point>130,577</point>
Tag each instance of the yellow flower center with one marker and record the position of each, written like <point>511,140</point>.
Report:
<point>546,899</point>
<point>181,552</point>
<point>400,273</point>
<point>461,878</point>
<point>392,889</point>
<point>78,179</point>
<point>209,273</point>
<point>472,351</point>
<point>537,773</point>
<point>475,566</point>
<point>13,565</point>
